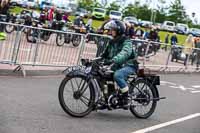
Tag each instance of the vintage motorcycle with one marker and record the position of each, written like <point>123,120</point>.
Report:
<point>90,86</point>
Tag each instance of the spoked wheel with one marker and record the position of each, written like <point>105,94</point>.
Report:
<point>9,28</point>
<point>76,40</point>
<point>76,96</point>
<point>46,35</point>
<point>142,95</point>
<point>60,39</point>
<point>31,35</point>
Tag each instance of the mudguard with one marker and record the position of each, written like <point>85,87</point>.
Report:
<point>154,81</point>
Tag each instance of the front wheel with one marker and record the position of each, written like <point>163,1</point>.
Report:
<point>143,102</point>
<point>76,96</point>
<point>76,40</point>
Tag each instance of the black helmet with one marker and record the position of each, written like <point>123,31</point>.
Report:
<point>117,25</point>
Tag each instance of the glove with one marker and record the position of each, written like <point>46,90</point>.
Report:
<point>108,62</point>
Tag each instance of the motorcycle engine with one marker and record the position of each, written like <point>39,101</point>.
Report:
<point>113,101</point>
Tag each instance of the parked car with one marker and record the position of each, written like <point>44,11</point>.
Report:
<point>195,32</point>
<point>168,26</point>
<point>29,3</point>
<point>99,13</point>
<point>65,9</point>
<point>182,28</point>
<point>16,2</point>
<point>158,26</point>
<point>146,24</point>
<point>115,15</point>
<point>45,4</point>
<point>82,11</point>
<point>131,20</point>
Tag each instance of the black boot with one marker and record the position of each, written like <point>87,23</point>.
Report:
<point>125,101</point>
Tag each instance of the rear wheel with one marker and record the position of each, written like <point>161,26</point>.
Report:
<point>76,96</point>
<point>76,40</point>
<point>142,99</point>
<point>60,39</point>
<point>31,35</point>
<point>9,28</point>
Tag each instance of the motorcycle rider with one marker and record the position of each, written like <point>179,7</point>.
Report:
<point>121,54</point>
<point>79,21</point>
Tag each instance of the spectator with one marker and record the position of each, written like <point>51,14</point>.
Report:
<point>79,21</point>
<point>89,22</point>
<point>146,34</point>
<point>139,32</point>
<point>153,36</point>
<point>166,41</point>
<point>198,52</point>
<point>43,16</point>
<point>58,15</point>
<point>131,31</point>
<point>66,17</point>
<point>174,39</point>
<point>50,15</point>
<point>4,7</point>
<point>189,45</point>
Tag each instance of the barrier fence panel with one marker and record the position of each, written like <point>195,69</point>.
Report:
<point>183,58</point>
<point>95,44</point>
<point>42,47</point>
<point>25,45</point>
<point>8,43</point>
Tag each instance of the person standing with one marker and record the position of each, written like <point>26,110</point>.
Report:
<point>188,48</point>
<point>174,39</point>
<point>166,41</point>
<point>198,52</point>
<point>139,32</point>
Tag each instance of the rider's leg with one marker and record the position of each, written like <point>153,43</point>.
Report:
<point>120,77</point>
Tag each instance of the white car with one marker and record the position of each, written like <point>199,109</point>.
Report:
<point>131,20</point>
<point>115,15</point>
<point>182,28</point>
<point>16,2</point>
<point>168,26</point>
<point>30,3</point>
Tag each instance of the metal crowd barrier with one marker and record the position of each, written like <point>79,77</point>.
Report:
<point>41,49</point>
<point>44,50</point>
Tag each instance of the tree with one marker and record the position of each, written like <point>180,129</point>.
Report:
<point>113,6</point>
<point>177,12</point>
<point>86,4</point>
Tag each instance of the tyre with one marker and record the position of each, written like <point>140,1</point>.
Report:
<point>46,35</point>
<point>142,103</point>
<point>67,38</point>
<point>9,28</point>
<point>60,39</point>
<point>31,35</point>
<point>76,96</point>
<point>76,40</point>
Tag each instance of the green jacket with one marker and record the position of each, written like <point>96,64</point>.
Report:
<point>122,52</point>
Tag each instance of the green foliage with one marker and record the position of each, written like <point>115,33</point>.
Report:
<point>177,12</point>
<point>113,6</point>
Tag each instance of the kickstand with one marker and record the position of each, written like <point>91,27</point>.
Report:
<point>20,67</point>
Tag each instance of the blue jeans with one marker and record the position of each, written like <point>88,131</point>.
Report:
<point>121,75</point>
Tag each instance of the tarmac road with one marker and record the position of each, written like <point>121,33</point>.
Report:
<point>30,105</point>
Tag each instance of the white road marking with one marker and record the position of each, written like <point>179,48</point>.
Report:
<point>195,92</point>
<point>196,86</point>
<point>149,129</point>
<point>182,88</point>
<point>166,82</point>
